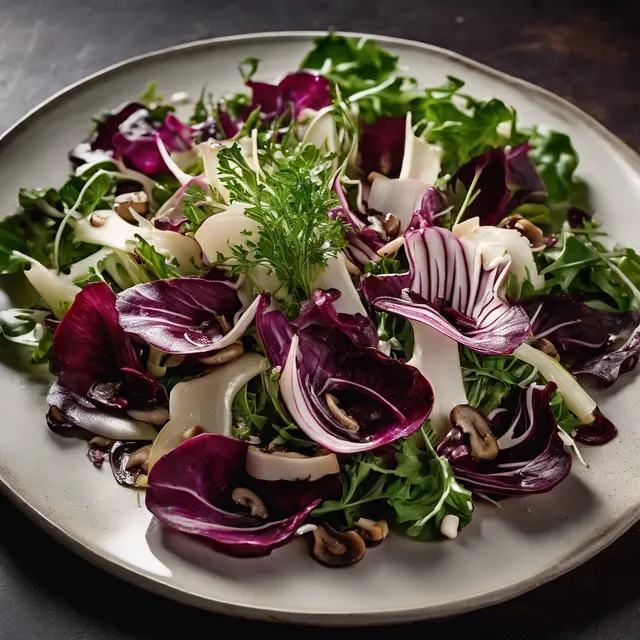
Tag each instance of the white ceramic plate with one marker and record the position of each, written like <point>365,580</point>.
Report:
<point>504,552</point>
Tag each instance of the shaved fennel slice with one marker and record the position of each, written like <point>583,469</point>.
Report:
<point>222,231</point>
<point>267,466</point>
<point>117,233</point>
<point>57,292</point>
<point>206,402</point>
<point>322,133</point>
<point>208,151</point>
<point>182,177</point>
<point>336,276</point>
<point>575,397</point>
<point>437,358</point>
<point>401,197</point>
<point>495,242</point>
<point>421,160</point>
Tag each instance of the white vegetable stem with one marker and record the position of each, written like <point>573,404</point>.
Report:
<point>336,276</point>
<point>438,360</point>
<point>206,402</point>
<point>421,160</point>
<point>576,398</point>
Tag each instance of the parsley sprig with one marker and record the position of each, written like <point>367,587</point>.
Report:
<point>289,197</point>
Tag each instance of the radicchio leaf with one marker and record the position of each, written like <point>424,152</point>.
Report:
<point>91,350</point>
<point>70,412</point>
<point>589,341</point>
<point>491,186</point>
<point>301,89</point>
<point>382,146</point>
<point>190,490</point>
<point>599,432</point>
<point>179,315</point>
<point>532,457</point>
<point>448,289</point>
<point>521,172</point>
<point>324,352</point>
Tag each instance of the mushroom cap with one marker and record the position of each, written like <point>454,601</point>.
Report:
<point>335,549</point>
<point>484,445</point>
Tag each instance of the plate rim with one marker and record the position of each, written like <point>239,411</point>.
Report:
<point>159,585</point>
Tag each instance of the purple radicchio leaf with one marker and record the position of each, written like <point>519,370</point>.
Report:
<point>179,315</point>
<point>532,456</point>
<point>590,341</point>
<point>381,146</point>
<point>599,432</point>
<point>94,357</point>
<point>386,398</point>
<point>363,242</point>
<point>323,352</point>
<point>170,216</point>
<point>276,331</point>
<point>606,368</point>
<point>491,186</point>
<point>135,141</point>
<point>431,209</point>
<point>190,490</point>
<point>73,414</point>
<point>301,90</point>
<point>448,289</point>
<point>522,174</point>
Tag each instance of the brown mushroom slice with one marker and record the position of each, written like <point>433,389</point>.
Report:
<point>334,549</point>
<point>247,498</point>
<point>280,466</point>
<point>371,531</point>
<point>546,346</point>
<point>339,414</point>
<point>484,445</point>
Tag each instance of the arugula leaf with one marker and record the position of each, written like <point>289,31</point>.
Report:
<point>426,490</point>
<point>289,200</point>
<point>397,331</point>
<point>23,326</point>
<point>579,264</point>
<point>46,200</point>
<point>42,353</point>
<point>351,63</point>
<point>421,489</point>
<point>565,419</point>
<point>489,379</point>
<point>556,160</point>
<point>247,412</point>
<point>248,68</point>
<point>94,196</point>
<point>159,266</point>
<point>195,208</point>
<point>153,100</point>
<point>202,107</point>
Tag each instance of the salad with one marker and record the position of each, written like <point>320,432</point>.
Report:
<point>330,306</point>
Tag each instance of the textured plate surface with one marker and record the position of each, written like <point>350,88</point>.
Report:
<point>503,553</point>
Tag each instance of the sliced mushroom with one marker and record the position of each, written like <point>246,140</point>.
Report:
<point>136,200</point>
<point>99,441</point>
<point>223,356</point>
<point>289,454</point>
<point>192,432</point>
<point>98,218</point>
<point>391,226</point>
<point>482,441</point>
<point>334,549</point>
<point>247,498</point>
<point>529,230</point>
<point>546,346</point>
<point>372,532</point>
<point>139,458</point>
<point>156,415</point>
<point>341,416</point>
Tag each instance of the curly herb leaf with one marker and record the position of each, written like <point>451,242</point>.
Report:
<point>289,199</point>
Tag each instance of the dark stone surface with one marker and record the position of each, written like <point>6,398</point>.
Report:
<point>588,52</point>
